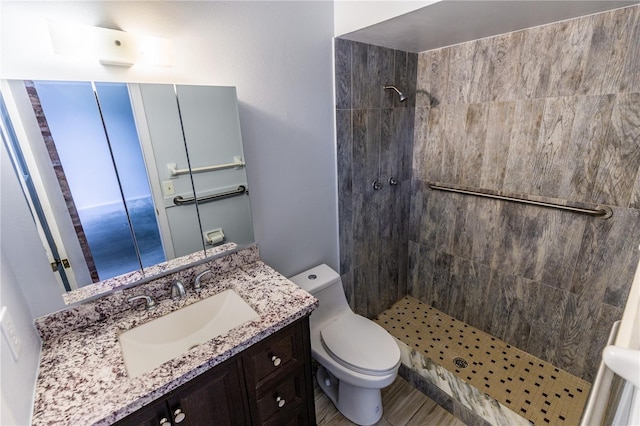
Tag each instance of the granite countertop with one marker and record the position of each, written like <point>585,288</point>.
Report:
<point>83,379</point>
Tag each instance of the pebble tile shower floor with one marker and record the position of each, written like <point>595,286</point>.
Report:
<point>531,387</point>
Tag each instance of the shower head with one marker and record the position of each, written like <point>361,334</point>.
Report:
<point>403,97</point>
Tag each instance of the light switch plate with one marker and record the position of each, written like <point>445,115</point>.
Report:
<point>168,188</point>
<point>10,333</point>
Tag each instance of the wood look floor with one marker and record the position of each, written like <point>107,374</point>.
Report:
<point>403,405</point>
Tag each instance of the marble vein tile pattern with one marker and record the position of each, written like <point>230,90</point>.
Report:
<point>114,283</point>
<point>444,400</point>
<point>83,379</point>
<point>551,112</point>
<point>478,402</point>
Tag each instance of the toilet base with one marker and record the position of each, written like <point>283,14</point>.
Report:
<point>362,406</point>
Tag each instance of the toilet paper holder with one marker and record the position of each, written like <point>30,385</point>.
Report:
<point>214,236</point>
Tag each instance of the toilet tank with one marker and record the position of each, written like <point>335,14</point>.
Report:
<point>325,284</point>
<point>316,279</point>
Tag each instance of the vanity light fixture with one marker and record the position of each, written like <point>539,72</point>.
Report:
<point>110,47</point>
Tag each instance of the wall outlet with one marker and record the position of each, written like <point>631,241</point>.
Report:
<point>168,188</point>
<point>10,333</point>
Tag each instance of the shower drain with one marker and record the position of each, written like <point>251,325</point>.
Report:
<point>460,362</point>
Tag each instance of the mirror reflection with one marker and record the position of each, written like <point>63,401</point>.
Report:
<point>222,203</point>
<point>143,173</point>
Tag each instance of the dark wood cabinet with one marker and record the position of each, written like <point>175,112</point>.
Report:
<point>217,394</point>
<point>278,377</point>
<point>150,415</point>
<point>269,383</point>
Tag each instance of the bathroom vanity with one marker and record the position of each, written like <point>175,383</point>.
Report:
<point>269,383</point>
<point>255,373</point>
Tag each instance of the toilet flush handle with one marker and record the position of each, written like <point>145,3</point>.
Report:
<point>276,361</point>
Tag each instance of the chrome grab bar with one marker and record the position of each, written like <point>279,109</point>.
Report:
<point>596,406</point>
<point>181,201</point>
<point>603,212</point>
<point>175,171</point>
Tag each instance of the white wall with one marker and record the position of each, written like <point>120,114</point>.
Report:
<point>24,254</point>
<point>352,15</point>
<point>277,54</point>
<point>17,378</point>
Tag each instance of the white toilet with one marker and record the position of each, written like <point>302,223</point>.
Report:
<point>357,357</point>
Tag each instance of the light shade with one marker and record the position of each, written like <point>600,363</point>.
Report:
<point>110,47</point>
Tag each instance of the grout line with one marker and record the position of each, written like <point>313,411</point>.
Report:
<point>529,386</point>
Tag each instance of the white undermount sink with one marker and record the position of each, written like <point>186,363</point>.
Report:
<point>149,345</point>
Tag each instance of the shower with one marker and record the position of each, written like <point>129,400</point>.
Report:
<point>403,97</point>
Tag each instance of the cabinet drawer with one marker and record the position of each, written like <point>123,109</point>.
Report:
<point>273,356</point>
<point>282,399</point>
<point>296,416</point>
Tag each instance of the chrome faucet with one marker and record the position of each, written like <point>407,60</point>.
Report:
<point>196,284</point>
<point>177,290</point>
<point>150,302</point>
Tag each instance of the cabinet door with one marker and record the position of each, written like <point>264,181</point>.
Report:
<point>215,398</point>
<point>149,415</point>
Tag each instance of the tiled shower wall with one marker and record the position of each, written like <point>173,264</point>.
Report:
<point>375,142</point>
<point>551,111</point>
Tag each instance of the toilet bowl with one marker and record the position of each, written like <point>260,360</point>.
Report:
<point>357,357</point>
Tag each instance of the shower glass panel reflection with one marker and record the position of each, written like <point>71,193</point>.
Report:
<point>104,171</point>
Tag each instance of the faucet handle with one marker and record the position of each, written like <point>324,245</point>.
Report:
<point>196,283</point>
<point>150,302</point>
<point>177,290</point>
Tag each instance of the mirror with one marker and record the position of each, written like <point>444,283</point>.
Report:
<point>134,179</point>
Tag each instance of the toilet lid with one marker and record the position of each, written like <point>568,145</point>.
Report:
<point>361,345</point>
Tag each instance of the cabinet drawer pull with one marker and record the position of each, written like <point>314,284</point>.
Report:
<point>276,361</point>
<point>178,416</point>
<point>164,422</point>
<point>280,402</point>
